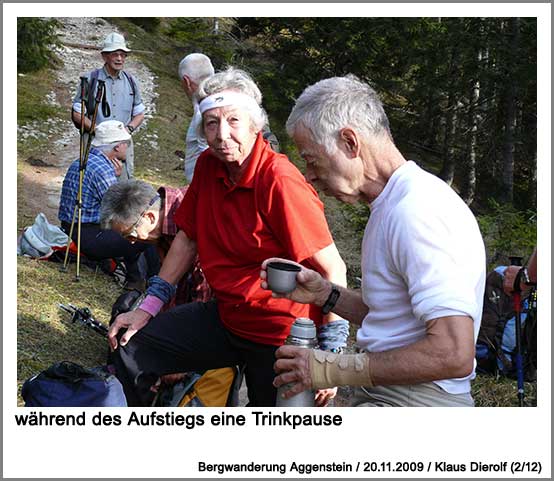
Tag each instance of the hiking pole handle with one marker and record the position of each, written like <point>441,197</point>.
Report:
<point>98,98</point>
<point>84,82</point>
<point>100,91</point>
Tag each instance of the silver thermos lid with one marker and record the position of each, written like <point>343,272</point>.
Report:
<point>303,328</point>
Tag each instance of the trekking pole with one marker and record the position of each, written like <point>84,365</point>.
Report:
<point>98,99</point>
<point>82,167</point>
<point>84,84</point>
<point>516,261</point>
<point>84,87</point>
<point>84,316</point>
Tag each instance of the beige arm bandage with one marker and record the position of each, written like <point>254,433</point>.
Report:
<point>329,369</point>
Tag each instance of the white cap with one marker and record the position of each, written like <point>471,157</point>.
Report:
<point>114,41</point>
<point>110,131</point>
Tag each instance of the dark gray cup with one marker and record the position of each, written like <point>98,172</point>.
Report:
<point>281,277</point>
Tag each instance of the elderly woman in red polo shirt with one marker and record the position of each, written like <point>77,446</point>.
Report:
<point>246,203</point>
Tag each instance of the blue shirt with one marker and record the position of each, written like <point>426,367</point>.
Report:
<point>99,175</point>
<point>119,95</point>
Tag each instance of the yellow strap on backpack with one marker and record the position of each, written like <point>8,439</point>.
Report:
<point>212,389</point>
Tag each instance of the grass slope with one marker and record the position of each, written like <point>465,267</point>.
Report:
<point>45,334</point>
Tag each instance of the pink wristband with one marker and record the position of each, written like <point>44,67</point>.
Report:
<point>151,304</point>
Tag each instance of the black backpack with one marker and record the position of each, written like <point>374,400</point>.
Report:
<point>495,348</point>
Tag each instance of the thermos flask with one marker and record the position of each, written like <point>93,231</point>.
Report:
<point>302,334</point>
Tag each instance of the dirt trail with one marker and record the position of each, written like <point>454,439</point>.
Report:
<point>42,177</point>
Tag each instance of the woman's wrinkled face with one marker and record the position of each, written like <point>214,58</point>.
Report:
<point>229,133</point>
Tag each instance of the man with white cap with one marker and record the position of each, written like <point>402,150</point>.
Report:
<point>104,166</point>
<point>194,68</point>
<point>121,100</point>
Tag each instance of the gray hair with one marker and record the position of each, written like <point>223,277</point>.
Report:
<point>125,201</point>
<point>106,148</point>
<point>240,81</point>
<point>332,104</point>
<point>197,66</point>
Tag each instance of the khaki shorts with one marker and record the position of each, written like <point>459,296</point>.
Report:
<point>417,395</point>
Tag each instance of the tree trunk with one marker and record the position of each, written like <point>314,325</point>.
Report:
<point>449,163</point>
<point>532,189</point>
<point>508,147</point>
<point>470,187</point>
<point>474,114</point>
<point>448,166</point>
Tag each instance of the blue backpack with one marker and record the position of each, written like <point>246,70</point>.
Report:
<point>66,384</point>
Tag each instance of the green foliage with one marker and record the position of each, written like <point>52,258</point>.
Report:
<point>150,24</point>
<point>32,89</point>
<point>357,215</point>
<point>199,35</point>
<point>35,40</point>
<point>507,232</point>
<point>426,71</point>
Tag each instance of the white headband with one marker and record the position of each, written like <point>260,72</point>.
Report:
<point>224,99</point>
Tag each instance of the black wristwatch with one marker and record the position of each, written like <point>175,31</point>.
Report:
<point>130,128</point>
<point>331,301</point>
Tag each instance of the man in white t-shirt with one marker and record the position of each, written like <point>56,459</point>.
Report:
<point>194,68</point>
<point>423,262</point>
